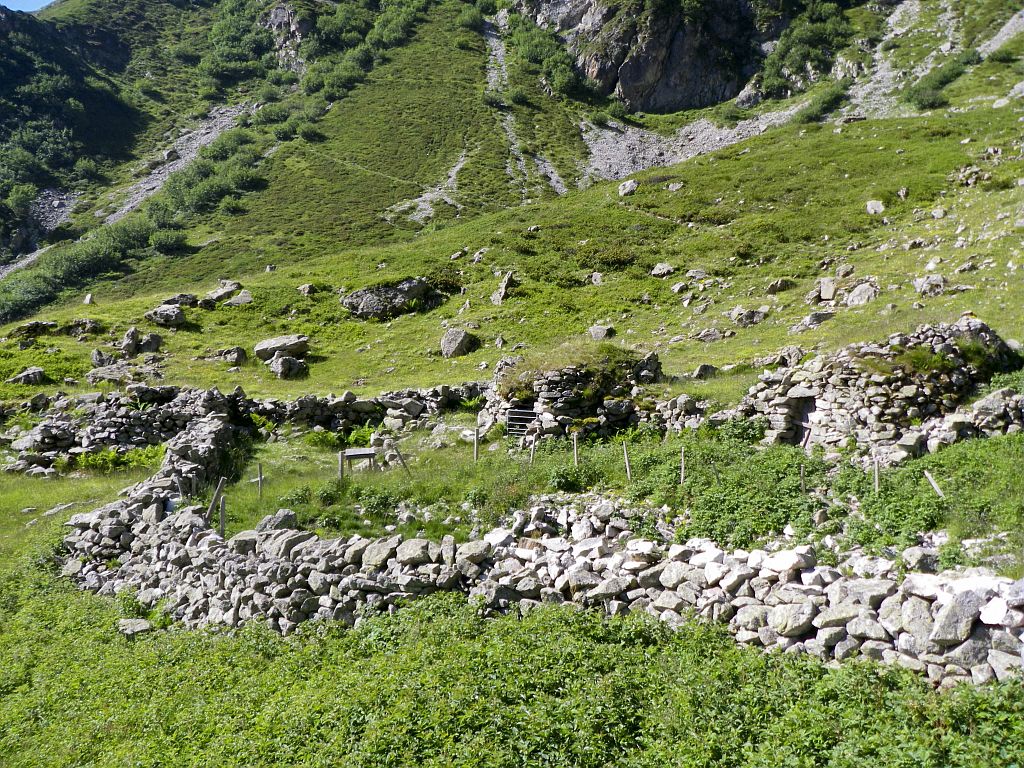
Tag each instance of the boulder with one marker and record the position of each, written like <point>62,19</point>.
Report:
<point>295,346</point>
<point>166,316</point>
<point>628,187</point>
<point>955,619</point>
<point>240,299</point>
<point>226,289</point>
<point>601,332</point>
<point>473,551</point>
<point>30,376</point>
<point>383,302</point>
<point>287,367</point>
<point>875,207</point>
<point>779,285</point>
<point>862,294</point>
<point>133,627</point>
<point>930,285</point>
<point>414,552</point>
<point>508,282</point>
<point>379,552</point>
<point>662,269</point>
<point>457,342</point>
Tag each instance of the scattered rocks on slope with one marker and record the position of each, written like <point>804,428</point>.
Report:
<point>167,316</point>
<point>457,342</point>
<point>295,345</point>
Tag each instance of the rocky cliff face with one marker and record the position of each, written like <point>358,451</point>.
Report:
<point>659,59</point>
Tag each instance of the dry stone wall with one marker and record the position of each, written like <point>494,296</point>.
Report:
<point>953,627</point>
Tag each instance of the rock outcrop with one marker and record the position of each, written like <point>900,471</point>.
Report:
<point>663,60</point>
<point>383,302</point>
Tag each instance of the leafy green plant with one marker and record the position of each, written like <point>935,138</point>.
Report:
<point>573,479</point>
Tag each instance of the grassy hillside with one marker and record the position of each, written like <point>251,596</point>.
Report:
<point>789,204</point>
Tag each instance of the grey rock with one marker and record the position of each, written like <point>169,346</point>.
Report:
<point>457,342</point>
<point>473,551</point>
<point>133,627</point>
<point>954,620</point>
<point>383,302</point>
<point>30,376</point>
<point>792,620</point>
<point>379,552</point>
<point>414,552</point>
<point>295,345</point>
<point>167,316</point>
<point>285,366</point>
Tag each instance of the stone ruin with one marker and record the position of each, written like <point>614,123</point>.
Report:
<point>875,397</point>
<point>952,627</point>
<point>595,402</point>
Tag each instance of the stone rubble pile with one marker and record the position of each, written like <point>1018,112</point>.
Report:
<point>140,417</point>
<point>894,399</point>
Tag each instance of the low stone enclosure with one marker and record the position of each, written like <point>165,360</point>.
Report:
<point>955,626</point>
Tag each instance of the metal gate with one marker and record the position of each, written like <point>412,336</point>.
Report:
<point>518,421</point>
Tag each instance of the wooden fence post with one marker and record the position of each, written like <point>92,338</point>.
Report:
<point>476,444</point>
<point>625,456</point>
<point>216,497</point>
<point>533,449</point>
<point>223,515</point>
<point>341,465</point>
<point>401,458</point>
<point>803,482</point>
<point>682,464</point>
<point>935,486</point>
<point>876,473</point>
<point>259,480</point>
<point>575,449</point>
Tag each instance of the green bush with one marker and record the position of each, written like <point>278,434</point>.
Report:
<point>810,42</point>
<point>926,93</point>
<point>470,18</point>
<point>326,441</point>
<point>168,240</point>
<point>823,103</point>
<point>572,479</point>
<point>108,460</point>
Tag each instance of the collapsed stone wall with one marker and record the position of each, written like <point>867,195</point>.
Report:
<point>144,415</point>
